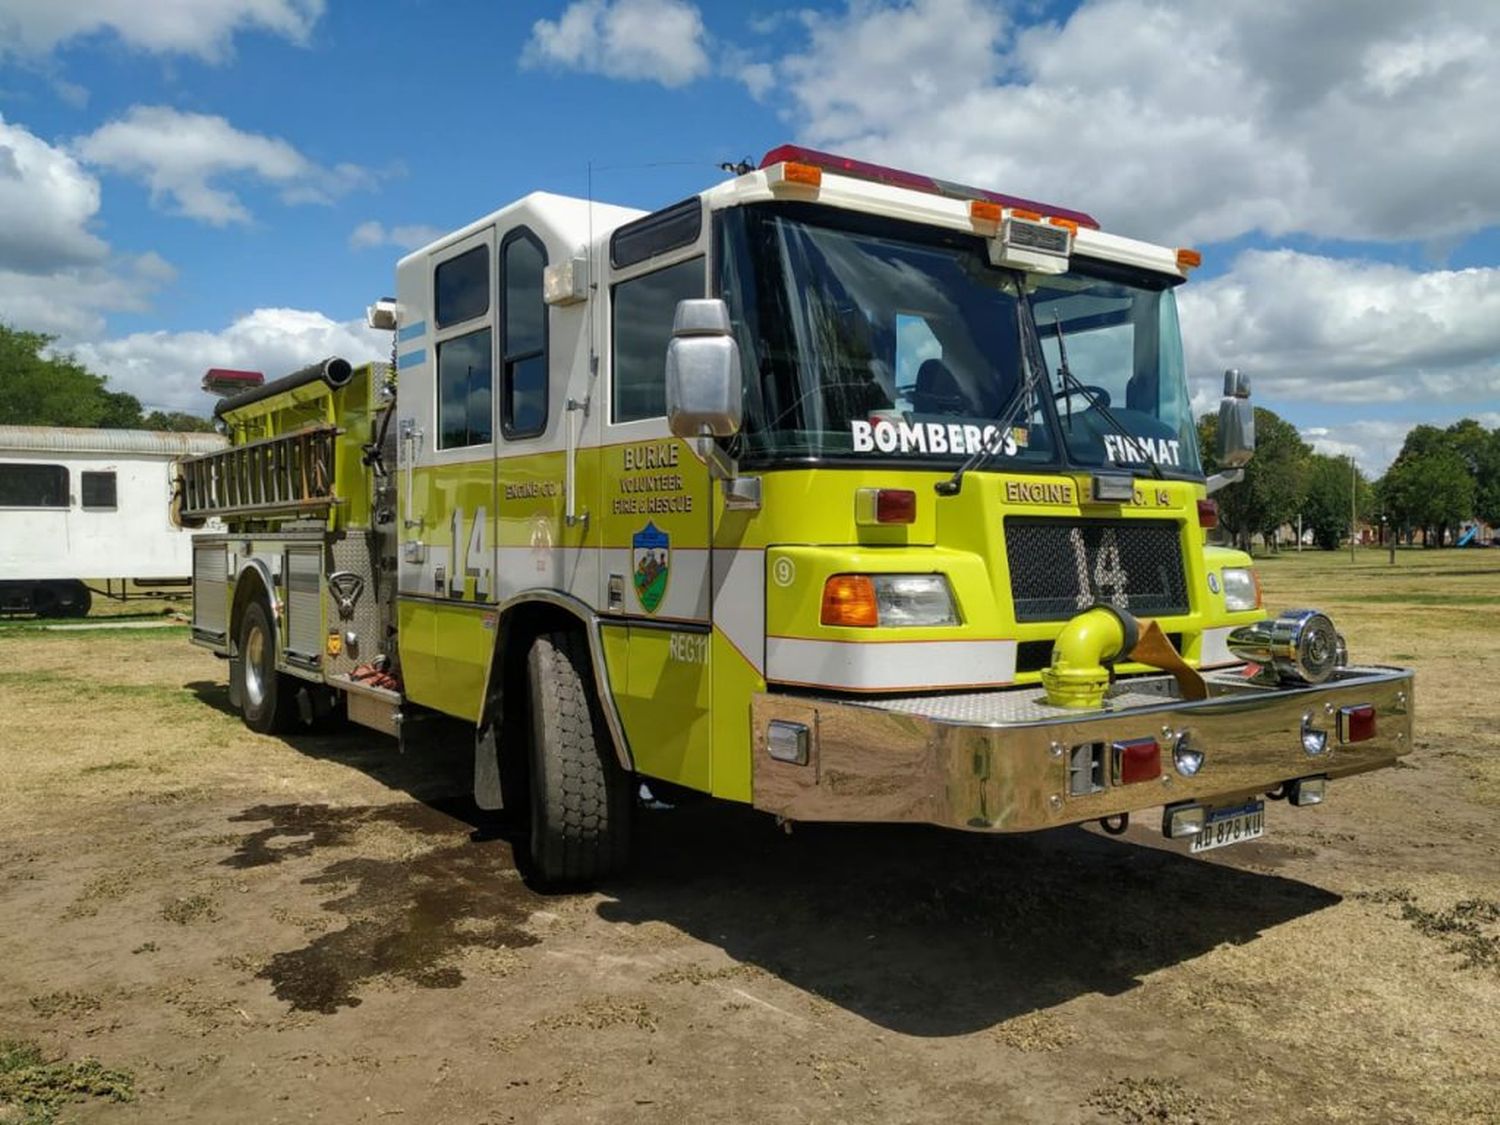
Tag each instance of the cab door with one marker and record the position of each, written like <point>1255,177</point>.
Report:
<point>656,529</point>
<point>446,481</point>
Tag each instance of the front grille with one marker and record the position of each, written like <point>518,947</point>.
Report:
<point>1060,567</point>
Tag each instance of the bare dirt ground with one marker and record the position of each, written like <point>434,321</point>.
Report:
<point>240,928</point>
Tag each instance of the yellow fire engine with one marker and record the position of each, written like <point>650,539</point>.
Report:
<point>837,490</point>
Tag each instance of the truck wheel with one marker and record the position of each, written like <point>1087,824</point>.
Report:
<point>266,699</point>
<point>73,599</point>
<point>580,797</point>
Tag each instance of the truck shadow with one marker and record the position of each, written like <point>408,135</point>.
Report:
<point>918,930</point>
<point>939,933</point>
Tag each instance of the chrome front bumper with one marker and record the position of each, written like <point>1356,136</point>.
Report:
<point>1000,761</point>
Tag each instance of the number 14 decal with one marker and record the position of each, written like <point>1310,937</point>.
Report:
<point>1108,572</point>
<point>468,555</point>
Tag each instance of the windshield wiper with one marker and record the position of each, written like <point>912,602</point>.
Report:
<point>987,450</point>
<point>1068,377</point>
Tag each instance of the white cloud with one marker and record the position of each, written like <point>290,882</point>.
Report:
<point>164,369</point>
<point>1177,122</point>
<point>1374,443</point>
<point>181,155</point>
<point>403,236</point>
<point>1315,329</point>
<point>71,301</point>
<point>646,40</point>
<point>47,204</point>
<point>204,28</point>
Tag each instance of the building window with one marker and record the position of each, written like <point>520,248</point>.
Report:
<point>644,308</point>
<point>464,390</point>
<point>461,287</point>
<point>33,486</point>
<point>98,490</point>
<point>524,397</point>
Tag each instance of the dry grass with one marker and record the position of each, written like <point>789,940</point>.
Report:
<point>166,865</point>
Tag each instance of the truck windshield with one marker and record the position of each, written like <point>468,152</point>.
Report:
<point>877,340</point>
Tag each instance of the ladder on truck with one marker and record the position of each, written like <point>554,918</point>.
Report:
<point>288,473</point>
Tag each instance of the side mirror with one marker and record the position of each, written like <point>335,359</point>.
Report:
<point>1236,422</point>
<point>703,372</point>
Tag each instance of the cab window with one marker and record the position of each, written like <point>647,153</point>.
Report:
<point>524,343</point>
<point>643,310</point>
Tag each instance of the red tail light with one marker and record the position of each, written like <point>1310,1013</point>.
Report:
<point>1356,724</point>
<point>1137,760</point>
<point>1208,514</point>
<point>895,505</point>
<point>884,505</point>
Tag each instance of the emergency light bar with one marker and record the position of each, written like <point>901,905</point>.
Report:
<point>895,177</point>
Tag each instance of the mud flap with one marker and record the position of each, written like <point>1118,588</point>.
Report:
<point>236,673</point>
<point>487,789</point>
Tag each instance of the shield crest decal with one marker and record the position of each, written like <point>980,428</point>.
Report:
<point>652,555</point>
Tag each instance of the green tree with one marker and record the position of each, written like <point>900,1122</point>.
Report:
<point>1480,449</point>
<point>1429,486</point>
<point>178,421</point>
<point>1272,490</point>
<point>40,390</point>
<point>1326,500</point>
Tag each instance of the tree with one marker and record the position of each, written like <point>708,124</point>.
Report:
<point>43,390</point>
<point>1480,449</point>
<point>1272,490</point>
<point>1429,485</point>
<point>36,390</point>
<point>178,421</point>
<point>1326,500</point>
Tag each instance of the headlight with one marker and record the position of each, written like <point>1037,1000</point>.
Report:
<point>1300,646</point>
<point>889,600</point>
<point>1241,590</point>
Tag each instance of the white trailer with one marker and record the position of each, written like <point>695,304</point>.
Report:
<point>80,506</point>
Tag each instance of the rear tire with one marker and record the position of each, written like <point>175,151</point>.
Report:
<point>581,799</point>
<point>268,700</point>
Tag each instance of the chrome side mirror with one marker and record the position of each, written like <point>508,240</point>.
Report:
<point>703,371</point>
<point>1236,422</point>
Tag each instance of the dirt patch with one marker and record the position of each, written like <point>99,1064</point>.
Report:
<point>407,920</point>
<point>323,928</point>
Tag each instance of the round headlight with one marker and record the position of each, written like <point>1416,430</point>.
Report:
<point>1301,645</point>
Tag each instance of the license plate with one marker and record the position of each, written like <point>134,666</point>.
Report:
<point>1231,826</point>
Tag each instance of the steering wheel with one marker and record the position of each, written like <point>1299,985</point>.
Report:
<point>1085,390</point>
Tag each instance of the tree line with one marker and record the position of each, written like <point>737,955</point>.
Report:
<point>1441,479</point>
<point>38,389</point>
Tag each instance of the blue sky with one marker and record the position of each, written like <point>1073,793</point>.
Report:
<point>231,181</point>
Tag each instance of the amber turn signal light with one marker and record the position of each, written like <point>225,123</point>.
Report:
<point>849,599</point>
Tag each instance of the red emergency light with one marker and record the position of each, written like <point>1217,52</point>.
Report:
<point>895,177</point>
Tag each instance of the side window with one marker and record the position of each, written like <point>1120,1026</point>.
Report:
<point>461,287</point>
<point>98,490</point>
<point>523,365</point>
<point>464,380</point>
<point>33,486</point>
<point>643,308</point>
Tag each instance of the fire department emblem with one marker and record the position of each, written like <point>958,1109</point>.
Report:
<point>653,556</point>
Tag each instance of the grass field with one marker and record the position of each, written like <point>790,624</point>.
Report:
<point>200,923</point>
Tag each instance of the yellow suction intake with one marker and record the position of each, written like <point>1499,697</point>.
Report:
<point>1078,676</point>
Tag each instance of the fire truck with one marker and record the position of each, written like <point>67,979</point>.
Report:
<point>840,491</point>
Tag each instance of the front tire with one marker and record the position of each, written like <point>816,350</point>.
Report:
<point>581,799</point>
<point>267,700</point>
